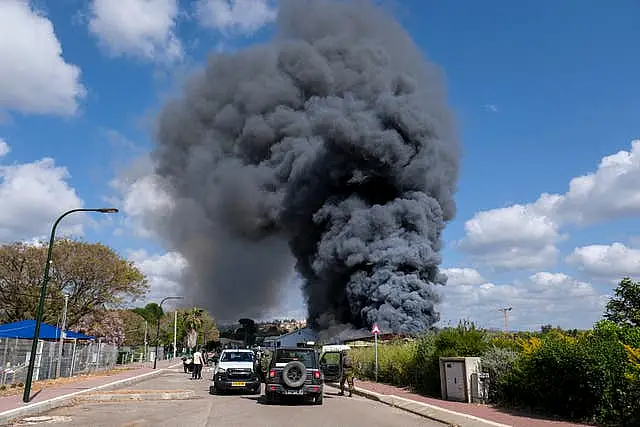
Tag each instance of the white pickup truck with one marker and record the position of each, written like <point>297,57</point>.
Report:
<point>236,370</point>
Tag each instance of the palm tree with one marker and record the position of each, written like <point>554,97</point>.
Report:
<point>192,322</point>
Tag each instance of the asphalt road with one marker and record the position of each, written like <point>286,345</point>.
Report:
<point>231,410</point>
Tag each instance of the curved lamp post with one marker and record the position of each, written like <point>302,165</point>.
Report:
<point>43,293</point>
<point>155,359</point>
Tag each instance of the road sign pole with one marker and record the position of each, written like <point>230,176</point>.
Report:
<point>375,330</point>
<point>376,345</point>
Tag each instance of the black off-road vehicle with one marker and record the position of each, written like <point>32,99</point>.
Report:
<point>294,372</point>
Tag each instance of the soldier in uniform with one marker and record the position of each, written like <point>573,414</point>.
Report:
<point>264,364</point>
<point>347,373</point>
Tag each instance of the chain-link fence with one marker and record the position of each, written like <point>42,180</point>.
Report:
<point>140,354</point>
<point>78,357</point>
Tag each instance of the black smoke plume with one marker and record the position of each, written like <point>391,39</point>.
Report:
<point>330,147</point>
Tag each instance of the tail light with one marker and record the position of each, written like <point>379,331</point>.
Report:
<point>272,373</point>
<point>316,375</point>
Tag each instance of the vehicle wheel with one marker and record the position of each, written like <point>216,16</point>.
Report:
<point>256,390</point>
<point>318,399</point>
<point>294,374</point>
<point>212,390</point>
<point>216,390</point>
<point>268,398</point>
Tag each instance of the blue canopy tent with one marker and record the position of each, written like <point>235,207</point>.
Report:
<point>26,328</point>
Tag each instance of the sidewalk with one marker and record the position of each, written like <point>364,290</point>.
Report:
<point>49,397</point>
<point>453,412</point>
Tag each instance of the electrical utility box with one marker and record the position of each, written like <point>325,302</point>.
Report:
<point>480,387</point>
<point>455,377</point>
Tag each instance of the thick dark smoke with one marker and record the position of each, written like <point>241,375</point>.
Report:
<point>330,147</point>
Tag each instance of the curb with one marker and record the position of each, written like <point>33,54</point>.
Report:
<point>432,412</point>
<point>37,408</point>
<point>141,395</point>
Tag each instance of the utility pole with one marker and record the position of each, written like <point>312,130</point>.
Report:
<point>155,359</point>
<point>505,311</point>
<point>145,340</point>
<point>62,335</point>
<point>175,332</point>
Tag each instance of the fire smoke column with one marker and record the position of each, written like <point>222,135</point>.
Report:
<point>332,143</point>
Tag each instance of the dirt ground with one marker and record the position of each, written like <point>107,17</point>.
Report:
<point>13,389</point>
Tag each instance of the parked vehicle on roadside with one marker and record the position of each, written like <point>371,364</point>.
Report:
<point>235,371</point>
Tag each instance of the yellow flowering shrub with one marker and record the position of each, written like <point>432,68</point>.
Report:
<point>530,345</point>
<point>633,354</point>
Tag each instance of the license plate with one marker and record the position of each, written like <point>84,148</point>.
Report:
<point>238,384</point>
<point>293,391</point>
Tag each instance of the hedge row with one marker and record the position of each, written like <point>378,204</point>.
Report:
<point>591,376</point>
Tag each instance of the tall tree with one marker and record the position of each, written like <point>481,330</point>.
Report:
<point>105,324</point>
<point>151,312</point>
<point>624,307</point>
<point>93,275</point>
<point>134,326</point>
<point>193,320</point>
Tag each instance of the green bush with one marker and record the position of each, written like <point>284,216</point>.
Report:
<point>416,364</point>
<point>626,334</point>
<point>509,342</point>
<point>426,366</point>
<point>498,362</point>
<point>582,375</point>
<point>464,341</point>
<point>577,378</point>
<point>395,363</point>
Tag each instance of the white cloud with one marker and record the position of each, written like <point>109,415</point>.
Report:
<point>137,28</point>
<point>610,192</point>
<point>608,262</point>
<point>543,298</point>
<point>164,272</point>
<point>525,236</point>
<point>142,196</point>
<point>4,148</point>
<point>491,108</point>
<point>33,195</point>
<point>34,77</point>
<point>463,277</point>
<point>518,236</point>
<point>235,16</point>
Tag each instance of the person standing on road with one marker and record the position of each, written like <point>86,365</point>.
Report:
<point>265,361</point>
<point>347,373</point>
<point>197,365</point>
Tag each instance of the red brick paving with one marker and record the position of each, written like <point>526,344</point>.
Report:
<point>8,403</point>
<point>481,411</point>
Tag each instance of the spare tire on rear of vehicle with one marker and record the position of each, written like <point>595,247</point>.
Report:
<point>294,374</point>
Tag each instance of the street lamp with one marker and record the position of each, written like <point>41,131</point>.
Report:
<point>26,397</point>
<point>155,359</point>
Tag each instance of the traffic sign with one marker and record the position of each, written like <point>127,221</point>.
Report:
<point>375,330</point>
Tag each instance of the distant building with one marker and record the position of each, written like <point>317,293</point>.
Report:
<point>229,343</point>
<point>291,339</point>
<point>368,340</point>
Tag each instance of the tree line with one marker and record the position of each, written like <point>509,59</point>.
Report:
<point>100,285</point>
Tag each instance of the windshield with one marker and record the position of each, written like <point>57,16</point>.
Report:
<point>236,356</point>
<point>286,356</point>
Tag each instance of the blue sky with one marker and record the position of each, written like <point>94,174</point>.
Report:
<point>542,92</point>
